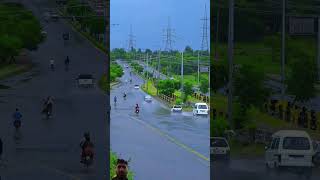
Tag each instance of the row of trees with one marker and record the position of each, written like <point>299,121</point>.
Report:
<point>19,29</point>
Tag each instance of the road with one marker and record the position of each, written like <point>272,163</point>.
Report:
<point>49,149</point>
<point>161,145</point>
<point>251,169</point>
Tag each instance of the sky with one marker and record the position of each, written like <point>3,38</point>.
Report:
<point>149,19</point>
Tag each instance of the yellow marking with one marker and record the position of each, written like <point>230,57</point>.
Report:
<point>174,140</point>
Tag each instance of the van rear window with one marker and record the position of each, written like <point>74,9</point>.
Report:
<point>202,107</point>
<point>296,143</point>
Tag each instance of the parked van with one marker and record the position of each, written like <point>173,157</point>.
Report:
<point>200,109</point>
<point>290,148</point>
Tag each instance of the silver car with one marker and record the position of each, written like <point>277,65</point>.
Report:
<point>148,98</point>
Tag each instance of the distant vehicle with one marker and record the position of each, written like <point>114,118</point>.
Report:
<point>126,66</point>
<point>148,98</point>
<point>290,148</point>
<point>136,86</point>
<point>176,108</point>
<point>316,156</point>
<point>44,33</point>
<point>85,80</point>
<point>54,16</point>
<point>219,148</point>
<point>172,78</point>
<point>200,109</point>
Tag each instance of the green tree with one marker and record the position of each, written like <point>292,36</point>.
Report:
<point>166,87</point>
<point>187,90</point>
<point>188,50</point>
<point>204,85</point>
<point>301,81</point>
<point>9,47</point>
<point>218,126</point>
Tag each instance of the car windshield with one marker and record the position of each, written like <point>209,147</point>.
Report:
<point>202,107</point>
<point>219,143</point>
<point>296,143</point>
<point>177,106</point>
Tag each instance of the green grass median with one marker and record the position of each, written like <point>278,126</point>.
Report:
<point>12,69</point>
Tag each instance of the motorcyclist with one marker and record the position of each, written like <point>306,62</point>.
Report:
<point>17,116</point>
<point>67,61</point>
<point>137,108</point>
<point>130,80</point>
<point>52,64</point>
<point>86,146</point>
<point>48,105</point>
<point>124,95</point>
<point>115,99</point>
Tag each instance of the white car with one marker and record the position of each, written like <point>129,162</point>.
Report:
<point>148,98</point>
<point>176,108</point>
<point>200,109</point>
<point>127,66</point>
<point>219,148</point>
<point>136,86</point>
<point>290,148</point>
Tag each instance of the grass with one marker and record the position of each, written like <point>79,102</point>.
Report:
<point>12,69</point>
<point>151,90</point>
<point>113,164</point>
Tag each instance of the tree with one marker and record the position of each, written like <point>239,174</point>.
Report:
<point>301,81</point>
<point>249,87</point>
<point>188,50</point>
<point>166,87</point>
<point>9,47</point>
<point>204,85</point>
<point>187,90</point>
<point>219,76</point>
<point>218,126</point>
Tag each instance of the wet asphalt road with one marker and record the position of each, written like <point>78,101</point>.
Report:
<point>49,149</point>
<point>158,142</point>
<point>253,169</point>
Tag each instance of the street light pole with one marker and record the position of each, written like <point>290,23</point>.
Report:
<point>283,48</point>
<point>230,55</point>
<point>182,71</point>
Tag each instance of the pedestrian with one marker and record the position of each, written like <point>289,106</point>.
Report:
<point>121,170</point>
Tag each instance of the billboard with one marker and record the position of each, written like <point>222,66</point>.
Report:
<point>302,26</point>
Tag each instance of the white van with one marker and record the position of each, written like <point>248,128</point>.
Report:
<point>290,148</point>
<point>200,109</point>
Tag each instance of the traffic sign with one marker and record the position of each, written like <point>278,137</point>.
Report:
<point>204,68</point>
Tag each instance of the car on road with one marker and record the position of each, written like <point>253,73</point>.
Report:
<point>136,86</point>
<point>316,156</point>
<point>85,80</point>
<point>290,148</point>
<point>200,109</point>
<point>176,108</point>
<point>148,98</point>
<point>126,66</point>
<point>54,16</point>
<point>219,148</point>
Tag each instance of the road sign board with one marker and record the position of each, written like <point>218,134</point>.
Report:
<point>204,68</point>
<point>302,26</point>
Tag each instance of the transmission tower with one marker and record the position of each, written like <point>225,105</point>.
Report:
<point>131,40</point>
<point>168,35</point>
<point>204,43</point>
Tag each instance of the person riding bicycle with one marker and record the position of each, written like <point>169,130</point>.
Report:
<point>67,61</point>
<point>115,99</point>
<point>86,146</point>
<point>137,108</point>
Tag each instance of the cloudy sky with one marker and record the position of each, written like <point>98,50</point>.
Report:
<point>149,19</point>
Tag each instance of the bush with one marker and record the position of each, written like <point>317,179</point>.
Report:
<point>218,126</point>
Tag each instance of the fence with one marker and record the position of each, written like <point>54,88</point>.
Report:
<point>201,97</point>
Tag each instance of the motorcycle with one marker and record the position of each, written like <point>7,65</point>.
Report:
<point>52,67</point>
<point>87,159</point>
<point>137,110</point>
<point>17,124</point>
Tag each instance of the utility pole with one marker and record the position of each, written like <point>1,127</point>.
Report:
<point>198,68</point>
<point>283,48</point>
<point>182,71</point>
<point>205,44</point>
<point>147,71</point>
<point>217,34</point>
<point>158,77</point>
<point>168,37</point>
<point>230,55</point>
<point>318,57</point>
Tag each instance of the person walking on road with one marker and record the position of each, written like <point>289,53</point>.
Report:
<point>66,62</point>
